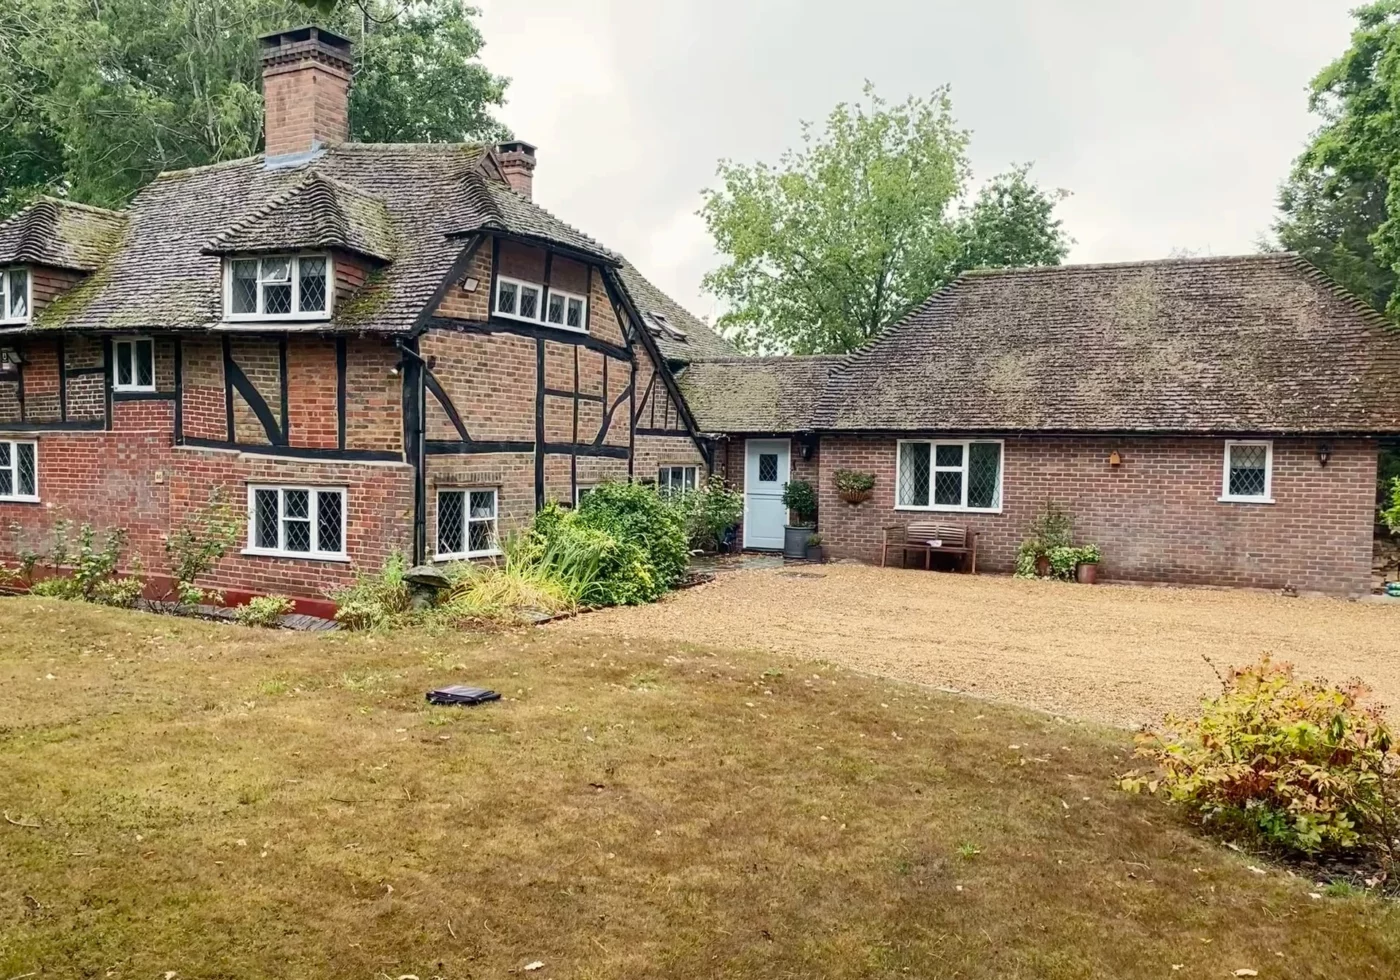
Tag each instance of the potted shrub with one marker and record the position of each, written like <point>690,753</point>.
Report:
<point>1087,570</point>
<point>1043,552</point>
<point>815,551</point>
<point>801,500</point>
<point>853,486</point>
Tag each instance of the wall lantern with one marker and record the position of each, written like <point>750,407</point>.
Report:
<point>1115,458</point>
<point>10,361</point>
<point>470,283</point>
<point>809,446</point>
<point>1324,453</point>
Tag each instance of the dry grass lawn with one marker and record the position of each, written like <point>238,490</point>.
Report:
<point>1122,655</point>
<point>222,802</point>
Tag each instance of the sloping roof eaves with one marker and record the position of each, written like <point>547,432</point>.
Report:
<point>757,394</point>
<point>1261,343</point>
<point>491,206</point>
<point>59,233</point>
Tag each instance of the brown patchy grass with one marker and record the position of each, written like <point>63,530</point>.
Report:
<point>224,802</point>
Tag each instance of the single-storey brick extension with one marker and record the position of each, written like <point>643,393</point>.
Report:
<point>391,347</point>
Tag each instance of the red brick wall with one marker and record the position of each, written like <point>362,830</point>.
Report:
<point>1157,516</point>
<point>305,103</point>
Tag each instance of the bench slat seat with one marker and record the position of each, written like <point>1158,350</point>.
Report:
<point>917,538</point>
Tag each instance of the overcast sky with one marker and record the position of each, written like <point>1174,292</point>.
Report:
<point>1170,124</point>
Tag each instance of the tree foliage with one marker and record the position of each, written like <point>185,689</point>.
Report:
<point>1340,207</point>
<point>99,98</point>
<point>861,223</point>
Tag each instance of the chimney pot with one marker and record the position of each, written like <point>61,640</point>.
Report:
<point>517,159</point>
<point>306,90</point>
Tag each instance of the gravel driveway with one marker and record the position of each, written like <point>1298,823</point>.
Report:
<point>1116,654</point>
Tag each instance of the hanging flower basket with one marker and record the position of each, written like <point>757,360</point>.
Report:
<point>854,487</point>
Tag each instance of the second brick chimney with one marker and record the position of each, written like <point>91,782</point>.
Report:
<point>306,90</point>
<point>518,163</point>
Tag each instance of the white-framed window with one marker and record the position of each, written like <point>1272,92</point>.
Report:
<point>466,524</point>
<point>278,287</point>
<point>134,367</point>
<point>581,491</point>
<point>19,470</point>
<point>963,475</point>
<point>296,522</point>
<point>677,479</point>
<point>15,300</point>
<point>521,300</point>
<point>1249,471</point>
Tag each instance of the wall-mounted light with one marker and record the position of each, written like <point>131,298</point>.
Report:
<point>809,446</point>
<point>1115,458</point>
<point>470,283</point>
<point>1324,453</point>
<point>10,361</point>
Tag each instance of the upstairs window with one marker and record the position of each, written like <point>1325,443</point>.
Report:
<point>530,301</point>
<point>296,522</point>
<point>135,364</point>
<point>1248,472</point>
<point>940,475</point>
<point>279,287</point>
<point>19,470</point>
<point>14,296</point>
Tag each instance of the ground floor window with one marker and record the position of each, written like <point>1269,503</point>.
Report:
<point>581,491</point>
<point>19,470</point>
<point>466,524</point>
<point>949,475</point>
<point>296,522</point>
<point>677,479</point>
<point>1248,472</point>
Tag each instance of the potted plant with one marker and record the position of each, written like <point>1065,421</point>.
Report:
<point>815,551</point>
<point>1087,569</point>
<point>801,500</point>
<point>853,486</point>
<point>1043,552</point>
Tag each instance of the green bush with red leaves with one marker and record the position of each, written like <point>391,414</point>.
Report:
<point>1301,764</point>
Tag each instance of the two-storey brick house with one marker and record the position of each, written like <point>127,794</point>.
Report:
<point>374,348</point>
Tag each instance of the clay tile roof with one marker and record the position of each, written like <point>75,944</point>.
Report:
<point>492,206</point>
<point>60,233</point>
<point>688,338</point>
<point>1260,343</point>
<point>756,394</point>
<point>316,212</point>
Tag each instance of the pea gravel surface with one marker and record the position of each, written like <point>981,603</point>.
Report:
<point>1118,654</point>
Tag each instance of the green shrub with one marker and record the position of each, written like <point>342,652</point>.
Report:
<point>195,547</point>
<point>1391,515</point>
<point>709,512</point>
<point>263,610</point>
<point>1050,535</point>
<point>649,534</point>
<point>94,569</point>
<point>801,499</point>
<point>1301,764</point>
<point>376,599</point>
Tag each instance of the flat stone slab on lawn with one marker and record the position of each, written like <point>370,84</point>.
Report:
<point>1119,654</point>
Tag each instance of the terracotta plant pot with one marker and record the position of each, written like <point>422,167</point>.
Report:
<point>1087,573</point>
<point>1042,566</point>
<point>854,496</point>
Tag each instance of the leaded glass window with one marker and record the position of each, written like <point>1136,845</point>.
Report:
<point>19,470</point>
<point>521,300</point>
<point>279,287</point>
<point>135,364</point>
<point>466,524</point>
<point>1248,468</point>
<point>300,522</point>
<point>14,295</point>
<point>947,475</point>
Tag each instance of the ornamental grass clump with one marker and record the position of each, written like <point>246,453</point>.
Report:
<point>1302,766</point>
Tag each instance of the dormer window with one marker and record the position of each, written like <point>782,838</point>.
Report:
<point>14,296</point>
<point>278,287</point>
<point>521,300</point>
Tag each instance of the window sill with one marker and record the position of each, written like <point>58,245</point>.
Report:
<point>134,389</point>
<point>539,323</point>
<point>469,555</point>
<point>946,509</point>
<point>276,318</point>
<point>299,555</point>
<point>14,323</point>
<point>1245,500</point>
<point>19,500</point>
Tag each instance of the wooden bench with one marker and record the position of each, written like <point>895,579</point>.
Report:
<point>916,537</point>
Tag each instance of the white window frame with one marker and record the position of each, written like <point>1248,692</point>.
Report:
<point>664,482</point>
<point>14,496</point>
<point>1268,496</point>
<point>116,358</point>
<point>935,469</point>
<point>466,552</point>
<point>296,313</point>
<point>6,281</point>
<point>313,509</point>
<point>542,308</point>
<point>580,490</point>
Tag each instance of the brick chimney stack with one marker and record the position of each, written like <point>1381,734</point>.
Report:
<point>518,161</point>
<point>306,90</point>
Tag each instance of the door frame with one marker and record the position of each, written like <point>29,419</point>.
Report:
<point>786,452</point>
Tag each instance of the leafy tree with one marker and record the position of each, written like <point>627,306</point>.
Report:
<point>1339,207</point>
<point>98,98</point>
<point>860,224</point>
